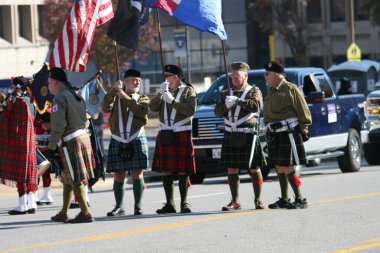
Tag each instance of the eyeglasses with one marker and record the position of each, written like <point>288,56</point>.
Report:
<point>168,75</point>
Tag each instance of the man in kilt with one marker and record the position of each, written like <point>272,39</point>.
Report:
<point>128,149</point>
<point>18,161</point>
<point>287,118</point>
<point>69,133</point>
<point>240,108</point>
<point>174,151</point>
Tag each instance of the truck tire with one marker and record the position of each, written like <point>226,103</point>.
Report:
<point>198,177</point>
<point>371,154</point>
<point>351,160</point>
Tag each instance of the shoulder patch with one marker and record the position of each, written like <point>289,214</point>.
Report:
<point>55,108</point>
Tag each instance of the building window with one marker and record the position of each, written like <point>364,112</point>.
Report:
<point>1,23</point>
<point>25,22</point>
<point>41,27</point>
<point>313,11</point>
<point>361,11</point>
<point>338,10</point>
<point>5,23</point>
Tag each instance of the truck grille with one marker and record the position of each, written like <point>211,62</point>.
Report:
<point>208,128</point>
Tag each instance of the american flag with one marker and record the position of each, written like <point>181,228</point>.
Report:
<point>70,50</point>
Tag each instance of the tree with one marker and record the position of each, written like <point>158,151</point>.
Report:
<point>374,6</point>
<point>286,18</point>
<point>102,52</point>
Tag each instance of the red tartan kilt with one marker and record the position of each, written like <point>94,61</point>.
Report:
<point>177,157</point>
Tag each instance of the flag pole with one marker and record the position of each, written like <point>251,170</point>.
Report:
<point>117,61</point>
<point>159,38</point>
<point>225,65</point>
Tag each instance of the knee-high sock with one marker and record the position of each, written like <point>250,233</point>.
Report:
<point>283,185</point>
<point>295,182</point>
<point>118,191</point>
<point>138,191</point>
<point>234,182</point>
<point>183,184</point>
<point>82,200</point>
<point>168,183</point>
<point>67,196</point>
<point>257,182</point>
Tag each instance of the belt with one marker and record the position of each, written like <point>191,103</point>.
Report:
<point>176,129</point>
<point>246,130</point>
<point>74,135</point>
<point>283,125</point>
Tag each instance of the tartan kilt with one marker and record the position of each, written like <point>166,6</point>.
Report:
<point>232,157</point>
<point>280,149</point>
<point>177,157</point>
<point>82,160</point>
<point>139,161</point>
<point>18,159</point>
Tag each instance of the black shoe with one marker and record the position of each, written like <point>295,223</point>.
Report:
<point>40,203</point>
<point>185,208</point>
<point>138,211</point>
<point>167,208</point>
<point>74,205</point>
<point>298,204</point>
<point>32,210</point>
<point>280,203</point>
<point>15,212</point>
<point>116,211</point>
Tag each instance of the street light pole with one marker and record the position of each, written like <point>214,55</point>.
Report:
<point>352,21</point>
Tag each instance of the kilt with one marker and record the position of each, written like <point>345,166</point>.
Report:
<point>139,161</point>
<point>177,157</point>
<point>82,160</point>
<point>18,160</point>
<point>280,149</point>
<point>232,157</point>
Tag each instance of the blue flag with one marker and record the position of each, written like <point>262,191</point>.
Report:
<point>204,15</point>
<point>93,94</point>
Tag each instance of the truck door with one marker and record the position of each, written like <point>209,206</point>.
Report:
<point>326,116</point>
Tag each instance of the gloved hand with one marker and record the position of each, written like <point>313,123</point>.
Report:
<point>164,87</point>
<point>231,101</point>
<point>305,137</point>
<point>50,154</point>
<point>168,97</point>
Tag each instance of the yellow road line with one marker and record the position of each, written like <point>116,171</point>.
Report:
<point>175,225</point>
<point>368,246</point>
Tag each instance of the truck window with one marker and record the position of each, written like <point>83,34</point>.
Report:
<point>308,86</point>
<point>324,85</point>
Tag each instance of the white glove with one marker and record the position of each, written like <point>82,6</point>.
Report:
<point>231,101</point>
<point>168,97</point>
<point>164,87</point>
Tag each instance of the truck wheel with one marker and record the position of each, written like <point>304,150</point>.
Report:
<point>265,170</point>
<point>371,154</point>
<point>351,160</point>
<point>198,177</point>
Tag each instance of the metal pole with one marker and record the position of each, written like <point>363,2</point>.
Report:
<point>225,65</point>
<point>188,55</point>
<point>159,38</point>
<point>117,62</point>
<point>352,21</point>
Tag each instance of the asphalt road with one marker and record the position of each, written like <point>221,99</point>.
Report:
<point>343,216</point>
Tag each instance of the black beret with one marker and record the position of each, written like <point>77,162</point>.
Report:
<point>242,66</point>
<point>20,82</point>
<point>174,69</point>
<point>274,67</point>
<point>58,74</point>
<point>132,73</point>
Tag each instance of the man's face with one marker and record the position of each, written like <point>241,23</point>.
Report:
<point>272,78</point>
<point>132,84</point>
<point>173,80</point>
<point>239,78</point>
<point>52,86</point>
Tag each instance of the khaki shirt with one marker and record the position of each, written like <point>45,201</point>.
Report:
<point>67,116</point>
<point>185,107</point>
<point>252,103</point>
<point>128,104</point>
<point>286,101</point>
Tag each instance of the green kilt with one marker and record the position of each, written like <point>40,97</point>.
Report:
<point>140,159</point>
<point>239,157</point>
<point>82,160</point>
<point>280,149</point>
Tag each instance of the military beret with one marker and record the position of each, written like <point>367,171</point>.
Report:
<point>174,69</point>
<point>274,67</point>
<point>242,66</point>
<point>132,73</point>
<point>58,74</point>
<point>20,82</point>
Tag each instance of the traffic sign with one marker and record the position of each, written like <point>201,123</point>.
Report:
<point>354,53</point>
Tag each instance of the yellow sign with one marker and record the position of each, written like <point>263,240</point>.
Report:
<point>354,53</point>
